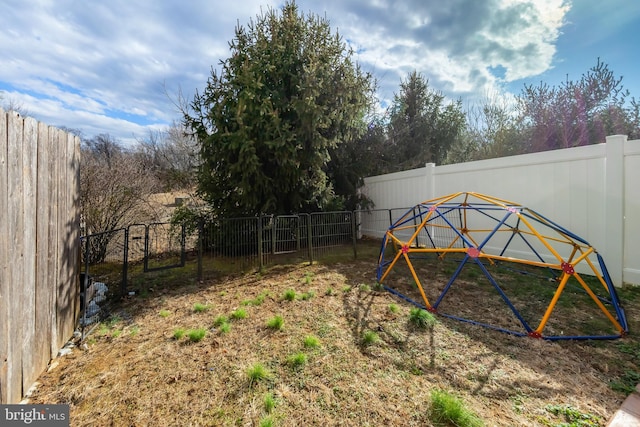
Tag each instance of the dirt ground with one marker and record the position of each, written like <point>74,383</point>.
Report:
<point>134,371</point>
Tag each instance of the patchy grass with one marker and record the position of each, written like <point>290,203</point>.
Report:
<point>275,323</point>
<point>447,410</point>
<point>243,376</point>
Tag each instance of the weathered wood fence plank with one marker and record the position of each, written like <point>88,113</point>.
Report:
<point>39,248</point>
<point>44,288</point>
<point>15,222</point>
<point>4,260</point>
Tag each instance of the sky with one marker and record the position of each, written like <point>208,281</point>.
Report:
<point>117,67</point>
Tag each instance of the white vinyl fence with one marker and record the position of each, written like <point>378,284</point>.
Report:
<point>593,191</point>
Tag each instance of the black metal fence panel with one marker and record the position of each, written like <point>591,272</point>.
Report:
<point>120,260</point>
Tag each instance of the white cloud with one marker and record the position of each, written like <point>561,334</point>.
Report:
<point>75,63</point>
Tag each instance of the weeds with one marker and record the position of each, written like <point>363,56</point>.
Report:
<point>311,342</point>
<point>220,320</point>
<point>297,360</point>
<point>269,403</point>
<point>573,417</point>
<point>224,328</point>
<point>307,295</point>
<point>447,409</point>
<point>370,338</point>
<point>393,308</point>
<point>164,313</point>
<point>196,335</point>
<point>239,314</point>
<point>289,295</point>
<point>276,323</point>
<point>626,383</point>
<point>178,333</point>
<point>266,421</point>
<point>258,372</point>
<point>422,319</point>
<point>200,308</point>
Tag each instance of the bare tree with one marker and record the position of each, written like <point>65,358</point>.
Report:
<point>114,191</point>
<point>172,155</point>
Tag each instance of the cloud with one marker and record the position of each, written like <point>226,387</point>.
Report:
<point>105,67</point>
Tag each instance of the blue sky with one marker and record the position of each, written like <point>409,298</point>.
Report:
<point>113,66</point>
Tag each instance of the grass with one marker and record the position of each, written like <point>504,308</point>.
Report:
<point>200,308</point>
<point>164,313</point>
<point>506,380</point>
<point>393,308</point>
<point>311,341</point>
<point>369,338</point>
<point>448,410</point>
<point>297,360</point>
<point>275,323</point>
<point>178,333</point>
<point>422,319</point>
<point>220,320</point>
<point>307,295</point>
<point>196,335</point>
<point>258,372</point>
<point>268,403</point>
<point>239,314</point>
<point>572,417</point>
<point>267,421</point>
<point>289,295</point>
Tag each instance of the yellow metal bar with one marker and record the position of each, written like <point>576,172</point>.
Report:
<point>415,277</point>
<point>539,236</point>
<point>599,303</point>
<point>494,200</point>
<point>598,275</point>
<point>388,270</point>
<point>583,256</point>
<point>552,304</point>
<point>523,261</point>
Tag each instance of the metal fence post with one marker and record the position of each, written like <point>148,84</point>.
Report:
<point>354,236</point>
<point>146,248</point>
<point>125,263</point>
<point>310,239</point>
<point>200,247</point>
<point>260,242</point>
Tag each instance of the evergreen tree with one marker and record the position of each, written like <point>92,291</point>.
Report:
<point>267,123</point>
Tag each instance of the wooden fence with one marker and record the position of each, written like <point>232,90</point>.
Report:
<point>39,247</point>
